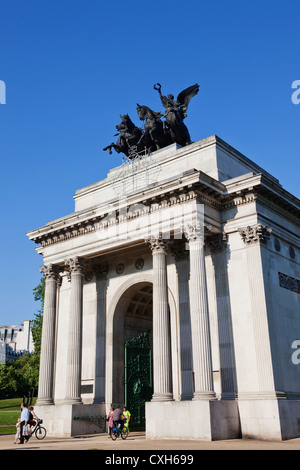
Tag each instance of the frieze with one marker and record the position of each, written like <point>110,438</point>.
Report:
<point>151,205</point>
<point>288,282</point>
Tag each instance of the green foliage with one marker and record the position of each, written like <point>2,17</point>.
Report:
<point>39,296</point>
<point>18,377</point>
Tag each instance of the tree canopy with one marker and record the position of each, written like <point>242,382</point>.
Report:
<point>19,377</point>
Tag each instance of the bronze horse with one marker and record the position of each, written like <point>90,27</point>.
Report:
<point>156,135</point>
<point>128,137</point>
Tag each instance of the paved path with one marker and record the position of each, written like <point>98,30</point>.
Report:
<point>137,441</point>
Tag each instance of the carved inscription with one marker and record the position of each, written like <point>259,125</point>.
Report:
<point>288,282</point>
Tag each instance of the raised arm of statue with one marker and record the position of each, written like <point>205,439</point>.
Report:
<point>163,99</point>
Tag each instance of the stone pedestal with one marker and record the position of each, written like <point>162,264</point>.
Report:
<point>66,420</point>
<point>273,419</point>
<point>196,419</point>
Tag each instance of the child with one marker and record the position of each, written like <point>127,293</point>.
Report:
<point>17,436</point>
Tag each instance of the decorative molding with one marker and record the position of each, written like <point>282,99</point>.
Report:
<point>120,268</point>
<point>139,264</point>
<point>257,233</point>
<point>288,282</point>
<point>277,244</point>
<point>292,252</point>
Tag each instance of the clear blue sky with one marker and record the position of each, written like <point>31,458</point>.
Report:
<point>71,67</point>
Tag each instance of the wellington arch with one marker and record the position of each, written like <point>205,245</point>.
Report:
<point>174,288</point>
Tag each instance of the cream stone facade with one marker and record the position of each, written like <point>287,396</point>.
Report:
<point>200,247</point>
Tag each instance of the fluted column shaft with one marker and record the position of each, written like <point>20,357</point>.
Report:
<point>162,376</point>
<point>46,373</point>
<point>202,359</point>
<point>73,385</point>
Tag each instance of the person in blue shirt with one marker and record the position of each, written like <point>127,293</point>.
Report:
<point>24,420</point>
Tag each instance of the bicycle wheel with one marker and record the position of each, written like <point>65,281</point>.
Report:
<point>114,435</point>
<point>124,433</point>
<point>40,433</point>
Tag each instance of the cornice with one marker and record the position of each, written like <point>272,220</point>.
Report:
<point>190,185</point>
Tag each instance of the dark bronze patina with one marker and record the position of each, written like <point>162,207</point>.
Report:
<point>156,134</point>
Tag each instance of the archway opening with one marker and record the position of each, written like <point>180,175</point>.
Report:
<point>132,351</point>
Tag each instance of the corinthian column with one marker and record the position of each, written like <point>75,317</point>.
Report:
<point>73,385</point>
<point>255,238</point>
<point>45,393</point>
<point>162,378</point>
<point>203,377</point>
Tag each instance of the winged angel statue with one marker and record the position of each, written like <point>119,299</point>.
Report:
<point>176,112</point>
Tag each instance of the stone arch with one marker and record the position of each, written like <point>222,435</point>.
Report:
<point>116,312</point>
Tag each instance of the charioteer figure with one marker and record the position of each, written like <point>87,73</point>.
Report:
<point>176,112</point>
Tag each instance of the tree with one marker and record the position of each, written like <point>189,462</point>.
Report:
<point>18,377</point>
<point>39,296</point>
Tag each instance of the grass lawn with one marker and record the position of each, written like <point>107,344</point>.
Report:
<point>10,411</point>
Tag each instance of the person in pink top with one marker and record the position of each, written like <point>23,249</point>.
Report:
<point>110,420</point>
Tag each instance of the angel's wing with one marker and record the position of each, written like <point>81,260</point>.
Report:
<point>186,95</point>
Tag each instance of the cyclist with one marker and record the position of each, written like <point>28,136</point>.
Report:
<point>117,418</point>
<point>126,415</point>
<point>33,419</point>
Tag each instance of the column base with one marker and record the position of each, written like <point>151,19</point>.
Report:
<point>72,401</point>
<point>162,397</point>
<point>44,401</point>
<point>204,396</point>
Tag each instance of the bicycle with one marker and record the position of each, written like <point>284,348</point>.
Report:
<point>118,431</point>
<point>39,431</point>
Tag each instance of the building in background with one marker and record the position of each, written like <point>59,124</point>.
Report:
<point>15,341</point>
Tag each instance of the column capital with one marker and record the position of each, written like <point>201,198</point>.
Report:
<point>157,243</point>
<point>100,271</point>
<point>257,233</point>
<point>75,265</point>
<point>194,232</point>
<point>180,253</point>
<point>51,272</point>
<point>217,242</point>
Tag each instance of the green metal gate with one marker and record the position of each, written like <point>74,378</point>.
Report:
<point>138,378</point>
